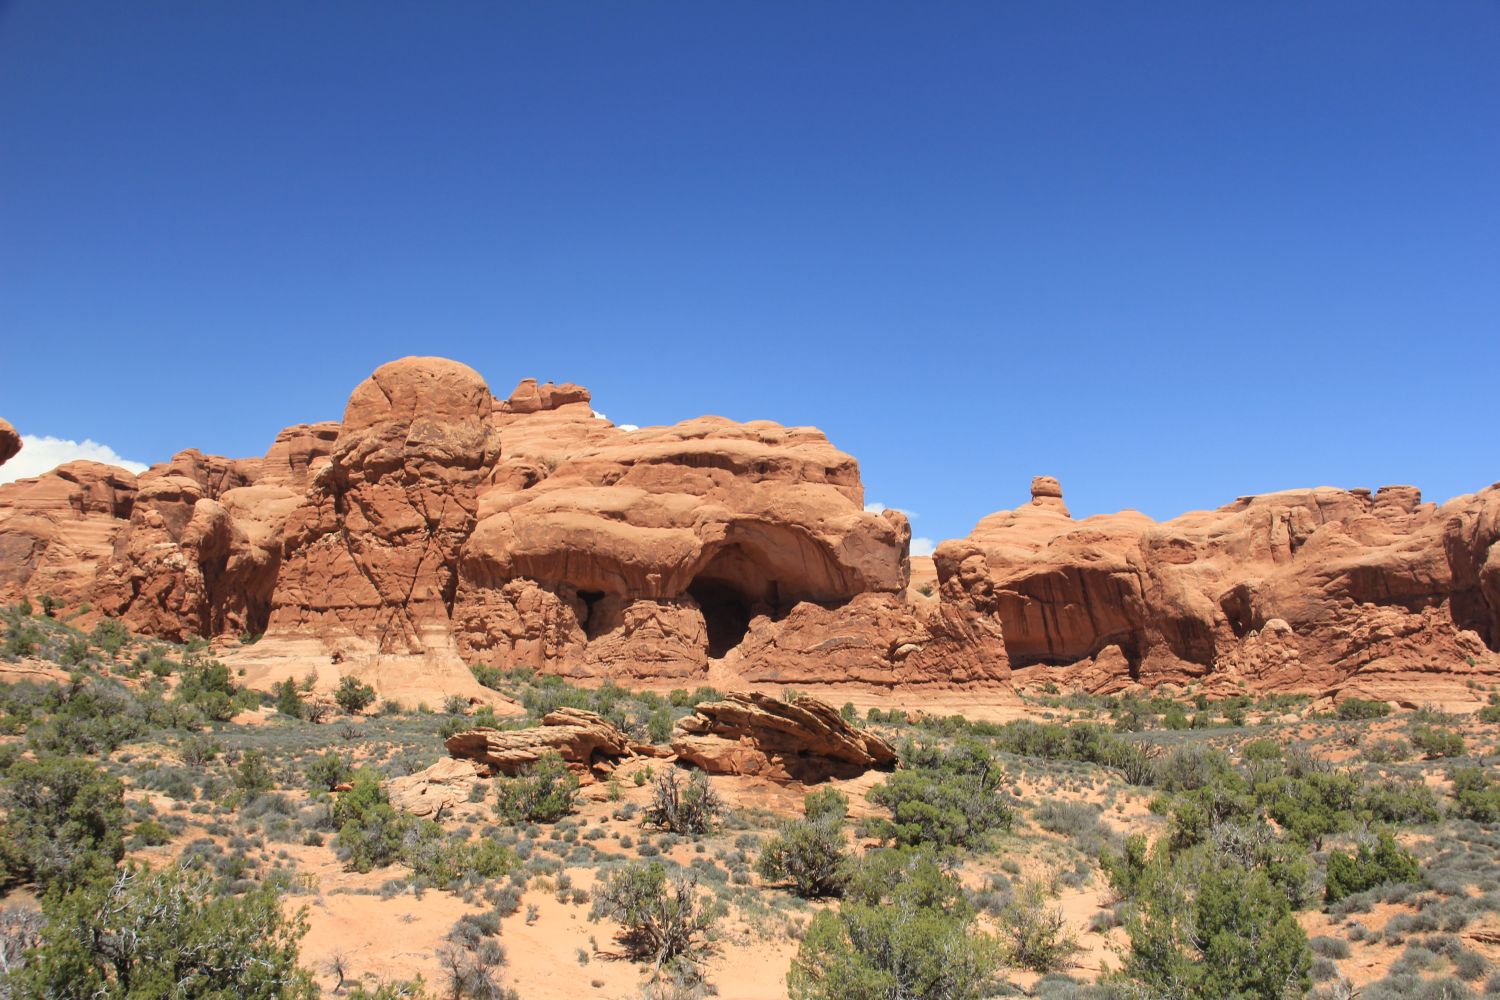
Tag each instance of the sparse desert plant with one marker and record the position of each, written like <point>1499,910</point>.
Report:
<point>810,853</point>
<point>662,917</point>
<point>686,807</point>
<point>1033,931</point>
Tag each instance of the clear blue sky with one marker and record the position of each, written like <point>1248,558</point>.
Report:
<point>1170,253</point>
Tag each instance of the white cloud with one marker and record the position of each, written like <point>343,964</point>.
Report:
<point>623,427</point>
<point>628,427</point>
<point>598,415</point>
<point>877,507</point>
<point>922,546</point>
<point>40,453</point>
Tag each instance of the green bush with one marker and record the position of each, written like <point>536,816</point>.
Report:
<point>825,802</point>
<point>1352,709</point>
<point>544,793</point>
<point>353,696</point>
<point>1435,742</point>
<point>943,799</point>
<point>810,853</point>
<point>1367,868</point>
<point>1208,928</point>
<point>288,698</point>
<point>328,772</point>
<point>370,829</point>
<point>1034,933</point>
<point>903,930</point>
<point>63,821</point>
<point>1475,795</point>
<point>165,934</point>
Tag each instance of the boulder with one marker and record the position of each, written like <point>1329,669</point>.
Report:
<point>803,739</point>
<point>433,790</point>
<point>10,441</point>
<point>584,739</point>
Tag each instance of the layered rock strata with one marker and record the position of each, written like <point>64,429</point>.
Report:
<point>755,734</point>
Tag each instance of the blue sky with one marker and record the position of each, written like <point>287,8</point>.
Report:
<point>1170,253</point>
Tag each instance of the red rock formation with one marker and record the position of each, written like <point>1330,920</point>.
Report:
<point>372,551</point>
<point>803,740</point>
<point>10,441</point>
<point>58,529</point>
<point>440,524</point>
<point>1309,589</point>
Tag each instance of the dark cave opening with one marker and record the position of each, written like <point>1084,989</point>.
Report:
<point>726,612</point>
<point>590,598</point>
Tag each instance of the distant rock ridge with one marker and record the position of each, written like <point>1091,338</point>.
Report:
<point>438,525</point>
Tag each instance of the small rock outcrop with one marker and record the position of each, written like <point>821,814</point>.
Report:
<point>433,790</point>
<point>799,740</point>
<point>584,739</point>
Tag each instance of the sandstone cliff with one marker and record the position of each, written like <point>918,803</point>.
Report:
<point>438,526</point>
<point>1321,589</point>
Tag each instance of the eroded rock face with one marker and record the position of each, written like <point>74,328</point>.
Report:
<point>802,740</point>
<point>57,530</point>
<point>372,551</point>
<point>584,739</point>
<point>1307,589</point>
<point>10,441</point>
<point>434,790</point>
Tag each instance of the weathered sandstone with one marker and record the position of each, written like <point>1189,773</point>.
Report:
<point>803,739</point>
<point>10,441</point>
<point>584,739</point>
<point>1318,589</point>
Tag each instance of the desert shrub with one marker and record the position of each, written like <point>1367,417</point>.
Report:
<point>252,776</point>
<point>1352,709</point>
<point>903,930</point>
<point>63,821</point>
<point>1491,711</point>
<point>352,695</point>
<point>810,853</point>
<point>1395,801</point>
<point>328,772</point>
<point>207,686</point>
<point>947,799</point>
<point>165,934</point>
<point>288,699</point>
<point>1033,933</point>
<point>659,725</point>
<point>1368,867</point>
<point>1313,806</point>
<point>662,917</point>
<point>1435,742</point>
<point>110,636</point>
<point>371,831</point>
<point>1206,928</point>
<point>543,793</point>
<point>1475,795</point>
<point>825,802</point>
<point>446,862</point>
<point>690,807</point>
